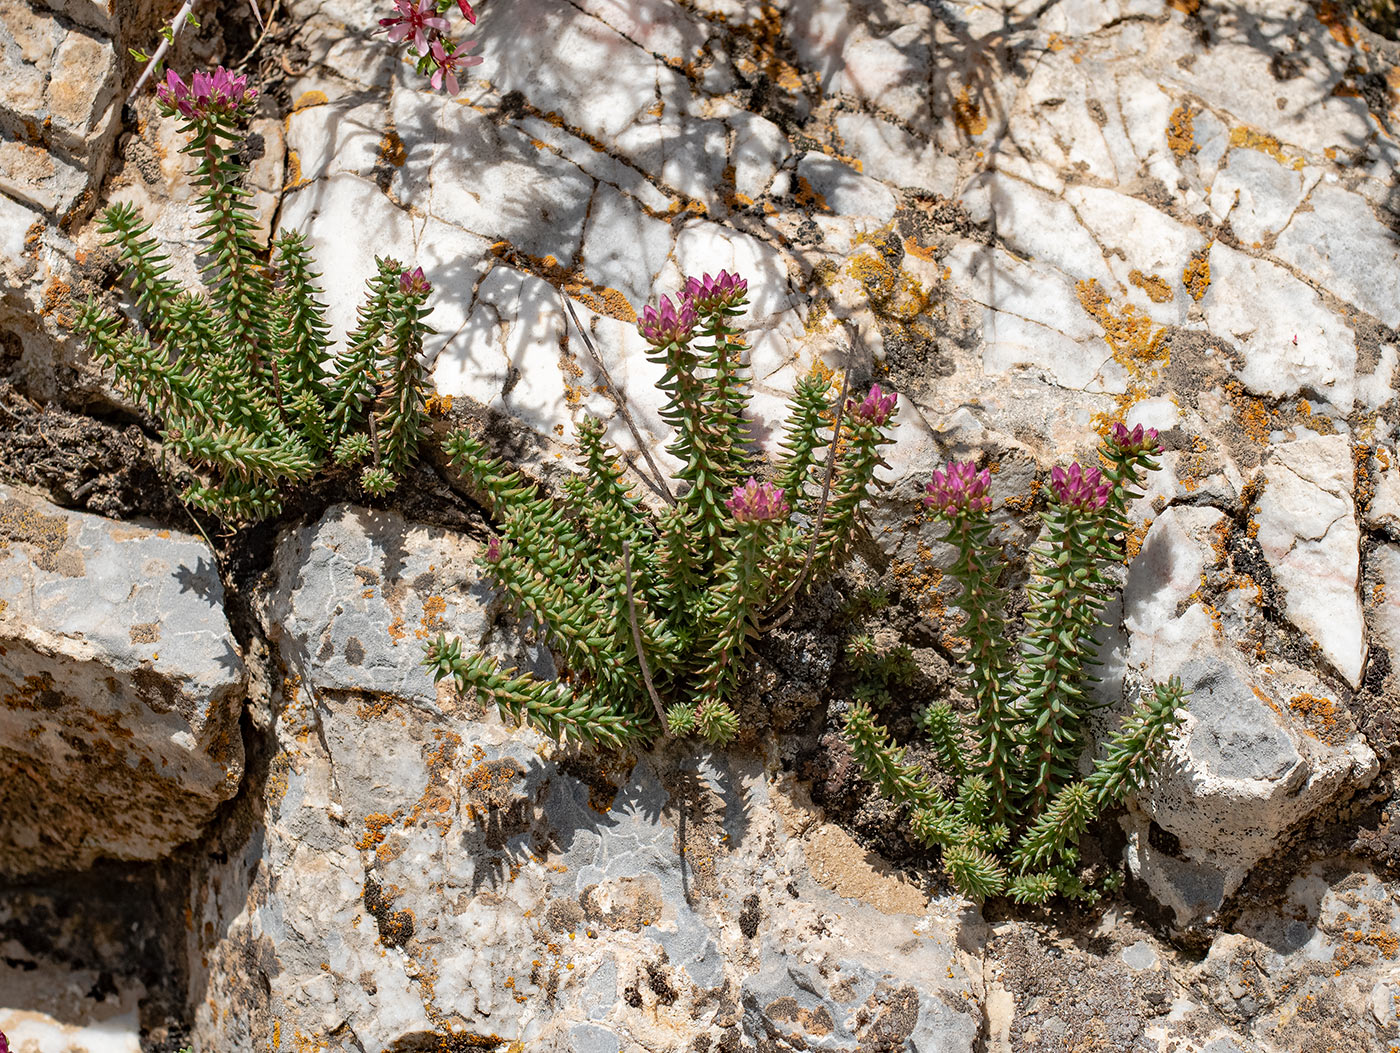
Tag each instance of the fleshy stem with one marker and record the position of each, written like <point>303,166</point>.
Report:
<point>978,570</point>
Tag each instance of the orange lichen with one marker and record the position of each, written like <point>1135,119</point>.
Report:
<point>967,115</point>
<point>1132,544</point>
<point>397,631</point>
<point>434,805</point>
<point>1331,15</point>
<point>310,98</point>
<point>766,36</point>
<point>1136,342</point>
<point>1384,940</point>
<point>438,405</point>
<point>1195,276</point>
<point>1321,715</point>
<point>1181,132</point>
<point>392,150</point>
<point>807,196</point>
<point>431,621</point>
<point>1157,290</point>
<point>375,825</point>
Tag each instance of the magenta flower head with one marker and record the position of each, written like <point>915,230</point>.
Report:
<point>755,502</point>
<point>414,284</point>
<point>1079,488</point>
<point>723,290</point>
<point>960,489</point>
<point>1135,441</point>
<point>876,408</point>
<point>219,92</point>
<point>493,549</point>
<point>669,325</point>
<point>450,63</point>
<point>419,21</point>
<point>4,1043</point>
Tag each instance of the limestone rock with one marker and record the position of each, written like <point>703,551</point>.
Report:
<point>58,107</point>
<point>1263,745</point>
<point>426,872</point>
<point>1309,534</point>
<point>1260,750</point>
<point>48,1005</point>
<point>1320,967</point>
<point>120,689</point>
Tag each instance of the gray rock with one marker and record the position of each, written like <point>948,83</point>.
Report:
<point>1258,752</point>
<point>427,870</point>
<point>120,689</point>
<point>1238,737</point>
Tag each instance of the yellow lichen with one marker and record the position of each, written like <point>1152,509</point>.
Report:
<point>1195,276</point>
<point>967,115</point>
<point>1136,342</point>
<point>1181,132</point>
<point>1157,290</point>
<point>1253,139</point>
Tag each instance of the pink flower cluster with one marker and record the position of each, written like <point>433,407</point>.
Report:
<point>1085,489</point>
<point>675,322</point>
<point>219,92</point>
<point>422,24</point>
<point>723,290</point>
<point>959,489</point>
<point>755,502</point>
<point>493,549</point>
<point>671,324</point>
<point>413,283</point>
<point>1135,441</point>
<point>876,408</point>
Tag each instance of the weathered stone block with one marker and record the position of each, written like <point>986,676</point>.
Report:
<point>120,689</point>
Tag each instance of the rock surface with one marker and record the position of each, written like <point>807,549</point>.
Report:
<point>425,874</point>
<point>1030,220</point>
<point>120,689</point>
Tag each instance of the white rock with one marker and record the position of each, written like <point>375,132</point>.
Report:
<point>889,153</point>
<point>760,149</point>
<point>1167,569</point>
<point>1309,534</point>
<point>46,1005</point>
<point>845,190</point>
<point>1261,308</point>
<point>1341,245</point>
<point>1386,609</point>
<point>1257,194</point>
<point>122,688</point>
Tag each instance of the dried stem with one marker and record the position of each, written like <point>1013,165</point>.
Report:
<point>175,24</point>
<point>658,487</point>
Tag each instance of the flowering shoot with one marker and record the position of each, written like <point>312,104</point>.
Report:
<point>755,502</point>
<point>1079,488</point>
<point>959,489</point>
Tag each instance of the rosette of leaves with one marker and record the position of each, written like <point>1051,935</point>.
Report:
<point>1012,824</point>
<point>239,374</point>
<point>651,615</point>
